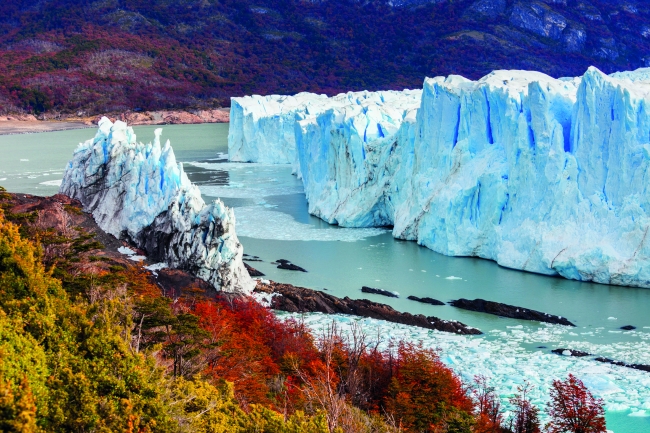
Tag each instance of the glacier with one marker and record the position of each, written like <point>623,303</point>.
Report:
<point>262,127</point>
<point>538,174</point>
<point>139,193</point>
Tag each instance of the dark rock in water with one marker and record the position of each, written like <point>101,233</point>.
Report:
<point>641,367</point>
<point>426,300</point>
<point>290,266</point>
<point>252,271</point>
<point>250,259</point>
<point>366,289</point>
<point>300,300</point>
<point>570,352</point>
<point>283,261</point>
<point>504,310</point>
<point>628,327</point>
<point>541,347</point>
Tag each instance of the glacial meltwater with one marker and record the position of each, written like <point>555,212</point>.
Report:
<point>273,223</point>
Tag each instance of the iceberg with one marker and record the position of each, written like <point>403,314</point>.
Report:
<point>539,174</point>
<point>139,193</point>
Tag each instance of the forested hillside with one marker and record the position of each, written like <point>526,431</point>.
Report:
<point>114,55</point>
<point>89,341</point>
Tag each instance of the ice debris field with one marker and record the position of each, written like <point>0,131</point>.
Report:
<point>507,363</point>
<point>539,174</point>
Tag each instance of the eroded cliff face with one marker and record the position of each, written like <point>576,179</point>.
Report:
<point>539,174</point>
<point>139,192</point>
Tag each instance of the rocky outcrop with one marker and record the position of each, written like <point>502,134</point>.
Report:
<point>570,352</point>
<point>252,271</point>
<point>137,192</point>
<point>642,367</point>
<point>539,19</point>
<point>426,300</point>
<point>504,310</point>
<point>288,266</point>
<point>286,297</point>
<point>382,292</point>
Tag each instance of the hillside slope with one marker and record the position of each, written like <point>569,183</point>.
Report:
<point>114,55</point>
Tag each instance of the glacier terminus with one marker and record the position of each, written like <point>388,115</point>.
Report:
<point>538,174</point>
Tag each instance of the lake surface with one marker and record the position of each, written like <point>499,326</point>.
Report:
<point>273,223</point>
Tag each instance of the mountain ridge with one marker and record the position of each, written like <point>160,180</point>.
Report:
<point>118,55</point>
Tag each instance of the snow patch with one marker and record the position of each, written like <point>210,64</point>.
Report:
<point>126,251</point>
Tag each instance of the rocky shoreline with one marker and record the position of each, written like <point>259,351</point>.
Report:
<point>292,299</point>
<point>28,123</point>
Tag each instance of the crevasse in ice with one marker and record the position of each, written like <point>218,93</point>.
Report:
<point>138,192</point>
<point>539,174</point>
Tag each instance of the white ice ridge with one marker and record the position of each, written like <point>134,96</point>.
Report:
<point>262,127</point>
<point>539,174</point>
<point>138,192</point>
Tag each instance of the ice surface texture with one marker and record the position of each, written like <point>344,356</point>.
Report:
<point>139,193</point>
<point>539,174</point>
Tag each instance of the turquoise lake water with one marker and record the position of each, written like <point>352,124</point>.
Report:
<point>273,223</point>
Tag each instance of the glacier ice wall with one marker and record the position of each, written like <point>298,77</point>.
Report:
<point>139,193</point>
<point>539,174</point>
<point>262,127</point>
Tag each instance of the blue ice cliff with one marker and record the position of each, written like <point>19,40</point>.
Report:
<point>539,174</point>
<point>137,192</point>
<point>262,127</point>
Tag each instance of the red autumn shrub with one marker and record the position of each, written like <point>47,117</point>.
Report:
<point>424,394</point>
<point>573,409</point>
<point>489,417</point>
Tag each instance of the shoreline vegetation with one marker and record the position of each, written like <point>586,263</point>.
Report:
<point>30,124</point>
<point>105,345</point>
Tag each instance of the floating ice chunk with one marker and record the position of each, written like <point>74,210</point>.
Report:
<point>451,277</point>
<point>612,318</point>
<point>156,267</point>
<point>51,182</point>
<point>126,251</point>
<point>24,160</point>
<point>639,413</point>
